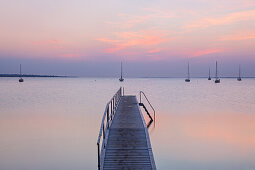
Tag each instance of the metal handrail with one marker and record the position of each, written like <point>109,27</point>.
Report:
<point>141,92</point>
<point>109,113</point>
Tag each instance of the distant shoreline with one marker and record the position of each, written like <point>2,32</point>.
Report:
<point>197,77</point>
<point>33,75</point>
<point>29,75</point>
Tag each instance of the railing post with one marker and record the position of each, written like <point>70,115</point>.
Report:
<point>98,155</point>
<point>113,105</point>
<point>115,102</point>
<point>140,97</point>
<point>142,93</point>
<point>111,110</point>
<point>103,132</point>
<point>107,116</point>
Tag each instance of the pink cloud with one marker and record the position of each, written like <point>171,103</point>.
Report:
<point>236,37</point>
<point>113,49</point>
<point>71,55</point>
<point>142,39</point>
<point>151,14</point>
<point>154,50</point>
<point>206,52</point>
<point>223,20</point>
<point>107,40</point>
<point>54,43</point>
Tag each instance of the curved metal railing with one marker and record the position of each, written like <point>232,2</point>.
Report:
<point>109,113</point>
<point>142,93</point>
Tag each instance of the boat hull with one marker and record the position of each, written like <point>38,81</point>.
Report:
<point>217,81</point>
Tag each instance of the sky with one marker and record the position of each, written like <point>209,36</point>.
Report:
<point>151,37</point>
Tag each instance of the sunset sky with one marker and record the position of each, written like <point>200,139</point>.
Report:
<point>152,37</point>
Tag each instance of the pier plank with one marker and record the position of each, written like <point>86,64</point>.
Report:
<point>128,145</point>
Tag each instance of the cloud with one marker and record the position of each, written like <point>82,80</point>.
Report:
<point>141,39</point>
<point>70,55</point>
<point>132,21</point>
<point>54,43</point>
<point>233,4</point>
<point>107,40</point>
<point>148,15</point>
<point>223,20</point>
<point>154,50</point>
<point>206,52</point>
<point>237,37</point>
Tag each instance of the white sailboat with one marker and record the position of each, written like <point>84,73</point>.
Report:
<point>121,78</point>
<point>239,77</point>
<point>209,78</point>
<point>188,79</point>
<point>217,80</point>
<point>20,75</point>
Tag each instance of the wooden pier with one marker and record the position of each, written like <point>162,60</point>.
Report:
<point>125,142</point>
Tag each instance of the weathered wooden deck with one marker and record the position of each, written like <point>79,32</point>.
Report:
<point>127,142</point>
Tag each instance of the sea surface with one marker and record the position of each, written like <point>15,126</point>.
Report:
<point>53,123</point>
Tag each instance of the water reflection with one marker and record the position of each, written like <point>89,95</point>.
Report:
<point>204,141</point>
<point>51,123</point>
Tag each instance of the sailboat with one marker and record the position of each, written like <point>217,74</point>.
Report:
<point>209,78</point>
<point>20,77</point>
<point>188,79</point>
<point>217,80</point>
<point>239,78</point>
<point>121,78</point>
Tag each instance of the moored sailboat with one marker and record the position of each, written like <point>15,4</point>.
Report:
<point>20,75</point>
<point>188,79</point>
<point>217,80</point>
<point>239,77</point>
<point>209,78</point>
<point>121,79</point>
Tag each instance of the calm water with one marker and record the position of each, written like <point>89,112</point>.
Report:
<point>53,123</point>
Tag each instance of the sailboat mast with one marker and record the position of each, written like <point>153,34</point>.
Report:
<point>188,71</point>
<point>20,70</point>
<point>209,72</point>
<point>239,71</point>
<point>121,70</point>
<point>216,76</point>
